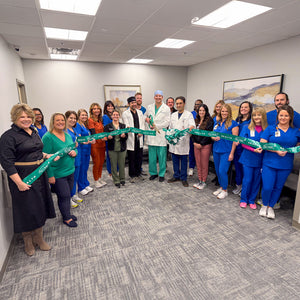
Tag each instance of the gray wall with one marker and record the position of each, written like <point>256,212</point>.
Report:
<point>205,80</point>
<point>61,85</point>
<point>11,69</point>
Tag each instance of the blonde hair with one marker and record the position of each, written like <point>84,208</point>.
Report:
<point>51,125</point>
<point>91,112</point>
<point>264,122</point>
<point>229,118</point>
<point>80,111</point>
<point>215,114</point>
<point>18,109</point>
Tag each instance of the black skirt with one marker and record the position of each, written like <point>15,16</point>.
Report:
<point>31,208</point>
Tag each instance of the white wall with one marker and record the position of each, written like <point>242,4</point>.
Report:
<point>61,85</point>
<point>11,69</point>
<point>205,80</point>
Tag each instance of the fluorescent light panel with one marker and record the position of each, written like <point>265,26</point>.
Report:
<point>230,14</point>
<point>65,34</point>
<point>85,7</point>
<point>63,56</point>
<point>139,61</point>
<point>173,43</point>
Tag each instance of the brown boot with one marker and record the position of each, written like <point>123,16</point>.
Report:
<point>29,248</point>
<point>38,239</point>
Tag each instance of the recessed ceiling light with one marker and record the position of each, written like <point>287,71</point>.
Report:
<point>63,56</point>
<point>139,61</point>
<point>173,43</point>
<point>85,7</point>
<point>65,34</point>
<point>230,14</point>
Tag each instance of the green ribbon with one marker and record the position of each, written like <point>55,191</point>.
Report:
<point>173,136</point>
<point>32,177</point>
<point>36,174</point>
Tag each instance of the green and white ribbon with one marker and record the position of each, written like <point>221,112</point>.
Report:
<point>174,135</point>
<point>36,174</point>
<point>32,177</point>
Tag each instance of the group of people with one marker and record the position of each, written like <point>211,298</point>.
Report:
<point>28,143</point>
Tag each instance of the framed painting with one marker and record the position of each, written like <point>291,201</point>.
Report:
<point>118,94</point>
<point>259,91</point>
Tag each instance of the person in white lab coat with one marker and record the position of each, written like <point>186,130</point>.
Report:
<point>134,117</point>
<point>157,145</point>
<point>181,119</point>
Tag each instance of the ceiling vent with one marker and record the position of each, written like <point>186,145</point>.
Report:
<point>66,51</point>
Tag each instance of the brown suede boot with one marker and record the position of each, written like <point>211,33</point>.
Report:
<point>29,248</point>
<point>38,239</point>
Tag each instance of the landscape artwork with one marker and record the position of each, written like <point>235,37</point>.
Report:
<point>259,91</point>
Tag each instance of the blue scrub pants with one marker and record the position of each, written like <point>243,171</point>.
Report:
<point>76,176</point>
<point>238,166</point>
<point>222,166</point>
<point>84,166</point>
<point>273,182</point>
<point>251,184</point>
<point>192,161</point>
<point>180,166</point>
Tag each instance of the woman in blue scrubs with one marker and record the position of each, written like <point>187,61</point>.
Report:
<point>243,119</point>
<point>251,158</point>
<point>223,150</point>
<point>277,165</point>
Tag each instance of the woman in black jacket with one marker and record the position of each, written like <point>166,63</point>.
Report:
<point>202,145</point>
<point>117,149</point>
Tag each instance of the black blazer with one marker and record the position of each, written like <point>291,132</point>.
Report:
<point>111,143</point>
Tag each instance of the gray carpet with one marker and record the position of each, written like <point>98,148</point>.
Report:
<point>152,240</point>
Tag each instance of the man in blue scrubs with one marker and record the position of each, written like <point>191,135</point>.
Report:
<point>279,100</point>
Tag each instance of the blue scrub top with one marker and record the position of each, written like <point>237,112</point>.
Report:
<point>83,131</point>
<point>106,120</point>
<point>250,158</point>
<point>272,115</point>
<point>41,131</point>
<point>194,113</point>
<point>143,109</point>
<point>223,146</point>
<point>239,149</point>
<point>287,139</point>
<point>74,135</point>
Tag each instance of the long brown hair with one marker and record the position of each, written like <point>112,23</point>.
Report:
<point>206,117</point>
<point>229,118</point>
<point>92,115</point>
<point>217,103</point>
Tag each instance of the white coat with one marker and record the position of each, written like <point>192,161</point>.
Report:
<point>185,121</point>
<point>161,120</point>
<point>128,121</point>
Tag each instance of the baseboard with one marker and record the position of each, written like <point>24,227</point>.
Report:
<point>296,225</point>
<point>8,255</point>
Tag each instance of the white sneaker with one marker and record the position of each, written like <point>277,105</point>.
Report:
<point>98,184</point>
<point>277,205</point>
<point>237,189</point>
<point>75,199</point>
<point>83,192</point>
<point>73,204</point>
<point>217,192</point>
<point>222,195</point>
<point>89,189</point>
<point>263,211</point>
<point>196,185</point>
<point>190,172</point>
<point>271,213</point>
<point>102,183</point>
<point>202,186</point>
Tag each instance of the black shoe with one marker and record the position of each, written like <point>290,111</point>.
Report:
<point>74,218</point>
<point>123,183</point>
<point>118,185</point>
<point>161,179</point>
<point>185,183</point>
<point>152,177</point>
<point>173,179</point>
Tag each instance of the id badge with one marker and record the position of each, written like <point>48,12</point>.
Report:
<point>216,126</point>
<point>277,133</point>
<point>252,133</point>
